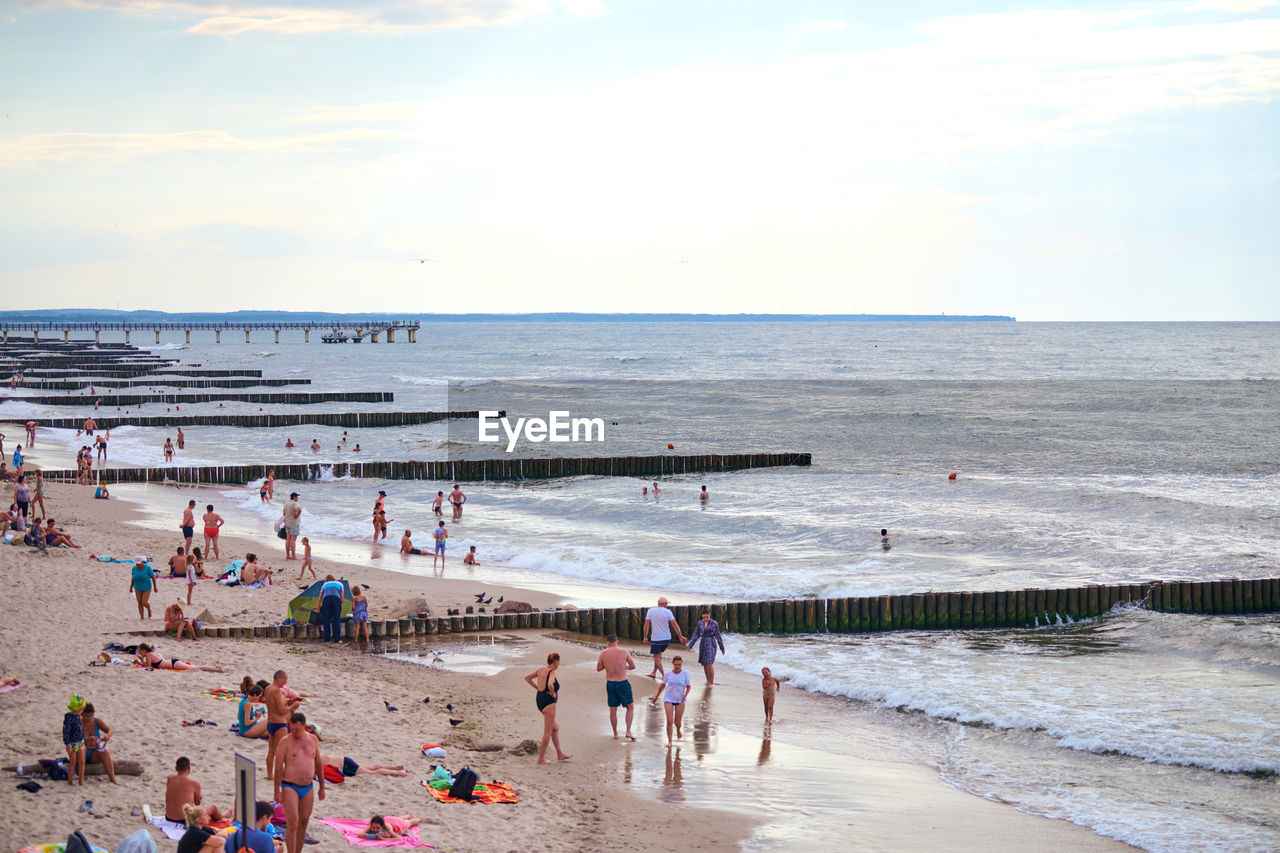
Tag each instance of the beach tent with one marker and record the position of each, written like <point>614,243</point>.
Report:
<point>308,602</point>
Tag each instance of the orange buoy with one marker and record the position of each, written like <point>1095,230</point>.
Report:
<point>951,476</point>
<point>671,447</point>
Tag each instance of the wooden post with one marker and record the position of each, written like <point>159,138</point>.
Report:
<point>899,611</point>
<point>1001,618</point>
<point>779,617</point>
<point>611,622</point>
<point>914,617</point>
<point>561,620</point>
<point>1072,608</point>
<point>931,610</point>
<point>810,616</point>
<point>984,609</point>
<point>966,609</point>
<point>789,616</point>
<point>1246,596</point>
<point>1092,605</point>
<point>952,611</point>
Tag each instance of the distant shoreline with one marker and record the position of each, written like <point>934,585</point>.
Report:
<point>92,315</point>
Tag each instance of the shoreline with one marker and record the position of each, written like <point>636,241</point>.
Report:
<point>608,797</point>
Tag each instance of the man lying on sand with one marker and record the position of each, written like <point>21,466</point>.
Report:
<point>350,768</point>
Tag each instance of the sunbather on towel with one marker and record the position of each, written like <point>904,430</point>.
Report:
<point>391,826</point>
<point>174,620</point>
<point>149,657</point>
<point>251,572</point>
<point>350,768</point>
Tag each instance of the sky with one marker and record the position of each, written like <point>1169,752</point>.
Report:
<point>1091,161</point>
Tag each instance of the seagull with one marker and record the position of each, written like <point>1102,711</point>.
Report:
<point>424,260</point>
<point>390,707</point>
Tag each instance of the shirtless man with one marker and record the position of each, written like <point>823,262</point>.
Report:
<point>297,771</point>
<point>457,498</point>
<point>31,433</point>
<point>279,706</point>
<point>350,768</point>
<point>101,444</point>
<point>614,662</point>
<point>188,524</point>
<point>178,564</point>
<point>180,789</point>
<point>315,444</point>
<point>89,426</point>
<point>292,526</point>
<point>406,544</point>
<point>182,439</point>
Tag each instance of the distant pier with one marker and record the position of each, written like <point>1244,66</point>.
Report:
<point>354,331</point>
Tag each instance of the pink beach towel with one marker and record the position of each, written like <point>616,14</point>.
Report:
<point>353,831</point>
<point>9,687</point>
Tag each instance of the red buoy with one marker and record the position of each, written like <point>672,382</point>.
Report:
<point>671,447</point>
<point>951,476</point>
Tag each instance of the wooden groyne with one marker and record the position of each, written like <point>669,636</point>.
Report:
<point>300,398</point>
<point>1023,608</point>
<point>127,373</point>
<point>152,380</point>
<point>360,420</point>
<point>462,470</point>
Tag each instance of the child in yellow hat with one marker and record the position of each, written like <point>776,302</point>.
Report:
<point>73,739</point>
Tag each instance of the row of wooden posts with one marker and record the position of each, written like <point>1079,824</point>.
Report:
<point>1023,608</point>
<point>125,373</point>
<point>152,380</point>
<point>299,398</point>
<point>342,419</point>
<point>458,470</point>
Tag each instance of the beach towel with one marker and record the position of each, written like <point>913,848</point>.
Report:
<point>60,847</point>
<point>489,792</point>
<point>9,687</point>
<point>102,559</point>
<point>171,828</point>
<point>353,831</point>
<point>233,695</point>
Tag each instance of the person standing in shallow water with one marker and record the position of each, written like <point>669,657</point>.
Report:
<point>706,636</point>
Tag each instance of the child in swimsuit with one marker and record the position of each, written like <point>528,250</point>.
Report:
<point>73,739</point>
<point>770,686</point>
<point>306,559</point>
<point>385,828</point>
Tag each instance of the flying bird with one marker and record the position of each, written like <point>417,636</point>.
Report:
<point>424,260</point>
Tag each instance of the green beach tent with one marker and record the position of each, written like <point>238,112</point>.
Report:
<point>307,603</point>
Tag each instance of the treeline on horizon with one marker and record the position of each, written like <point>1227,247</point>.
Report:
<point>106,315</point>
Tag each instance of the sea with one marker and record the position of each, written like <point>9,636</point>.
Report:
<point>1082,453</point>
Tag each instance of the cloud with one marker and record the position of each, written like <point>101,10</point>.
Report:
<point>45,148</point>
<point>303,17</point>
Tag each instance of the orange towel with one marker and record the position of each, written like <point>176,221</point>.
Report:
<point>485,792</point>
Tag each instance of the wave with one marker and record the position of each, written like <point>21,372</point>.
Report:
<point>421,380</point>
<point>167,347</point>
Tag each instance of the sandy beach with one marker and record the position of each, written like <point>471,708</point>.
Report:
<point>723,784</point>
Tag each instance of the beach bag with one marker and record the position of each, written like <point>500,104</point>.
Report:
<point>77,843</point>
<point>58,770</point>
<point>464,784</point>
<point>281,534</point>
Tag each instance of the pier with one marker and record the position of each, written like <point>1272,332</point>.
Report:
<point>928,611</point>
<point>353,330</point>
<point>458,470</point>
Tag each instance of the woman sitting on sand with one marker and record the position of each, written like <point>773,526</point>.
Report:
<point>96,735</point>
<point>174,620</point>
<point>199,838</point>
<point>253,714</point>
<point>196,560</point>
<point>147,656</point>
<point>385,828</point>
<point>251,572</point>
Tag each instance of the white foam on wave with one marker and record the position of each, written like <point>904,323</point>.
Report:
<point>165,347</point>
<point>422,380</point>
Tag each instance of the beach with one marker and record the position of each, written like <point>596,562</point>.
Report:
<point>609,796</point>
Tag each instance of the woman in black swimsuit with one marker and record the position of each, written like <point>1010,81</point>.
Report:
<point>546,698</point>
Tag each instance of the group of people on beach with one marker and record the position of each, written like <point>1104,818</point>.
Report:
<point>660,626</point>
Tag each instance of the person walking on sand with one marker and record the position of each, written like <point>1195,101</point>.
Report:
<point>279,706</point>
<point>297,771</point>
<point>659,624</point>
<point>547,697</point>
<point>188,524</point>
<point>770,687</point>
<point>441,535</point>
<point>615,662</point>
<point>676,685</point>
<point>456,498</point>
<point>141,581</point>
<point>706,634</point>
<point>212,525</point>
<point>292,526</point>
<point>306,559</point>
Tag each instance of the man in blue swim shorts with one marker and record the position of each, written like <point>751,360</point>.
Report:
<point>659,624</point>
<point>297,772</point>
<point>615,662</point>
<point>441,535</point>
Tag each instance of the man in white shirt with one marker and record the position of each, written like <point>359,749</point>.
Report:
<point>659,625</point>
